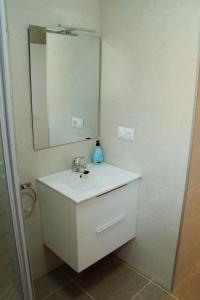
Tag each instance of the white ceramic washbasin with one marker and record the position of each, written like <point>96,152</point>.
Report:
<point>101,179</point>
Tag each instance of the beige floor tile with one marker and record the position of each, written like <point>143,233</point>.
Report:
<point>111,280</point>
<point>189,288</point>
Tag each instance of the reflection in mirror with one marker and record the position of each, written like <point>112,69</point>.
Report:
<point>65,69</point>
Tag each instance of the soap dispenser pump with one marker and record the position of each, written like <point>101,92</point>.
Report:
<point>97,156</point>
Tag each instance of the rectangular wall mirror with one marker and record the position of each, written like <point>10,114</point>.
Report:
<point>65,75</point>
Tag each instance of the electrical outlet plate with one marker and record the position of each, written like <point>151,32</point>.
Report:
<point>77,122</point>
<point>126,133</point>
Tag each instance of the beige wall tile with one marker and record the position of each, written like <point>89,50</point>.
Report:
<point>165,166</point>
<point>41,258</point>
<point>192,208</point>
<point>194,172</point>
<point>154,123</point>
<point>149,71</point>
<point>189,247</point>
<point>196,142</point>
<point>137,23</point>
<point>189,288</point>
<point>186,262</point>
<point>149,79</point>
<point>33,164</point>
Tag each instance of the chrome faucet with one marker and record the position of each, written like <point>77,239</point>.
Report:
<point>79,164</point>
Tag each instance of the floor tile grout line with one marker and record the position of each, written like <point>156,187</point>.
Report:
<point>132,268</point>
<point>58,289</point>
<point>124,264</point>
<point>161,288</point>
<point>72,280</point>
<point>145,277</point>
<point>142,289</point>
<point>86,292</point>
<point>68,280</point>
<point>75,278</point>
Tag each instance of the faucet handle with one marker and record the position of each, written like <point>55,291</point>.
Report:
<point>78,163</point>
<point>84,162</point>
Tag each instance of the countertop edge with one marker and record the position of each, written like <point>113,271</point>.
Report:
<point>138,177</point>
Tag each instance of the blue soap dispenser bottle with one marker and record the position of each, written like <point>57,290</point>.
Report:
<point>97,155</point>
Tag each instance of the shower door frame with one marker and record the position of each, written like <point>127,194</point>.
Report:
<point>8,141</point>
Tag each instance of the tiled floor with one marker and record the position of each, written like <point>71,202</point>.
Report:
<point>109,279</point>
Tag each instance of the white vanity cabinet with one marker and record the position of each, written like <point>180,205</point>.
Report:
<point>83,232</point>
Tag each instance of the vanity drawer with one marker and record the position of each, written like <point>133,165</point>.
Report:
<point>82,233</point>
<point>105,223</point>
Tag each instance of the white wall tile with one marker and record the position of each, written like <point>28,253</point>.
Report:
<point>74,13</point>
<point>152,28</point>
<point>149,79</point>
<point>154,123</point>
<point>156,200</point>
<point>163,165</point>
<point>40,257</point>
<point>149,71</point>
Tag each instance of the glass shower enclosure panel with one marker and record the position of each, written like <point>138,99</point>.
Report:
<point>10,284</point>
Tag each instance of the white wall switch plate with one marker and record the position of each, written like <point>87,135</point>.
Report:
<point>77,122</point>
<point>126,133</point>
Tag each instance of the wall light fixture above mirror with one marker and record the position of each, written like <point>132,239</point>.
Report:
<point>65,82</point>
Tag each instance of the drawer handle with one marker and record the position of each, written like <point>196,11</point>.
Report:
<point>110,224</point>
<point>119,187</point>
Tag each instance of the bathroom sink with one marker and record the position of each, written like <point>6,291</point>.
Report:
<point>101,179</point>
<point>82,232</point>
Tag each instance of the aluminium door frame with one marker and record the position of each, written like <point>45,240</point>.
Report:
<point>8,140</point>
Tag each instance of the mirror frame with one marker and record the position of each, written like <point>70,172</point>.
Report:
<point>37,34</point>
